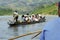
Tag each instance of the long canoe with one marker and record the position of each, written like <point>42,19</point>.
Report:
<point>26,23</point>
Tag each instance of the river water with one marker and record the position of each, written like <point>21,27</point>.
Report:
<point>7,32</point>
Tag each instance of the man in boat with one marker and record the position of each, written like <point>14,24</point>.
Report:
<point>51,31</point>
<point>29,18</point>
<point>26,18</point>
<point>15,15</point>
<point>39,16</point>
<point>34,18</point>
<point>23,16</point>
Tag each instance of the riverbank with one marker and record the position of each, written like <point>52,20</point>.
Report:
<point>44,10</point>
<point>21,15</point>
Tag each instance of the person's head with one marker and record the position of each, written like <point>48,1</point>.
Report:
<point>22,16</point>
<point>59,9</point>
<point>33,15</point>
<point>27,14</point>
<point>15,11</point>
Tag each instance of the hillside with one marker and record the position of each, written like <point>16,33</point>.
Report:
<point>23,5</point>
<point>47,9</point>
<point>27,6</point>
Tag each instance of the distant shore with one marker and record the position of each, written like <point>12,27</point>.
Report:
<point>20,15</point>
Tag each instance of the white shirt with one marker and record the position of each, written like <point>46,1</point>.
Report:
<point>39,14</point>
<point>15,14</point>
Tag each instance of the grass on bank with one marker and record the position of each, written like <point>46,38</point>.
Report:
<point>48,9</point>
<point>5,12</point>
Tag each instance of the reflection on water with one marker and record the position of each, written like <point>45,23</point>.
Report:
<point>7,32</point>
<point>14,30</point>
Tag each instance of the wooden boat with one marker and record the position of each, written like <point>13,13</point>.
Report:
<point>26,23</point>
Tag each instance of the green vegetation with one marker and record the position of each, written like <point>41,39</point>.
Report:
<point>5,11</point>
<point>45,9</point>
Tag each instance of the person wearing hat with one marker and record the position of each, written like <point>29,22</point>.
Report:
<point>51,31</point>
<point>15,15</point>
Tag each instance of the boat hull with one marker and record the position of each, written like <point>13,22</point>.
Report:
<point>26,23</point>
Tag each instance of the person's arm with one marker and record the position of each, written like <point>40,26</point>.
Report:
<point>45,31</point>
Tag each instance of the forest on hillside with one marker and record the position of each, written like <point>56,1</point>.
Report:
<point>28,6</point>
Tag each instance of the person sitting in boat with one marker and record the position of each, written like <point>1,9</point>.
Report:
<point>34,18</point>
<point>27,14</point>
<point>43,16</point>
<point>40,16</point>
<point>15,15</point>
<point>22,16</point>
<point>30,18</point>
<point>36,15</point>
<point>26,18</point>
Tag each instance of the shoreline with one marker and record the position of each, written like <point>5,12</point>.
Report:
<point>20,15</point>
<point>30,14</point>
